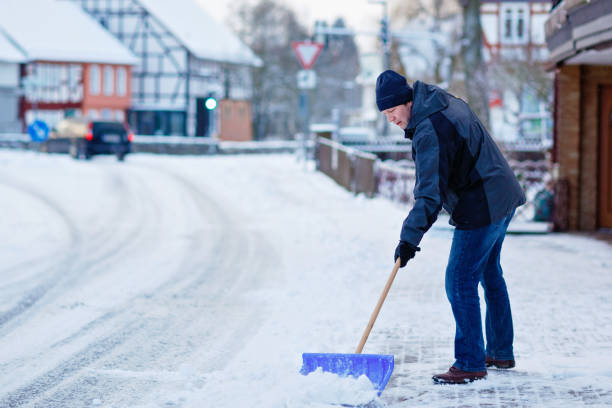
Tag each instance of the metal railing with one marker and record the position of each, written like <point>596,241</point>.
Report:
<point>176,145</point>
<point>352,169</point>
<point>361,172</point>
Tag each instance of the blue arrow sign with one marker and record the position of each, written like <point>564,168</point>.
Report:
<point>38,131</point>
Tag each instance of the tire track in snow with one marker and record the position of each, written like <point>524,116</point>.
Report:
<point>30,298</point>
<point>80,268</point>
<point>183,287</point>
<point>90,251</point>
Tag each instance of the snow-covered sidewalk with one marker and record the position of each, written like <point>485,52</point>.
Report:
<point>327,256</point>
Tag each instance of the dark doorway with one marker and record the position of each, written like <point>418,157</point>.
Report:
<point>202,118</point>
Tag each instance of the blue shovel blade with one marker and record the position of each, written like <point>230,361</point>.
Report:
<point>377,367</point>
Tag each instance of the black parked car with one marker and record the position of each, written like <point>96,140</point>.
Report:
<point>88,138</point>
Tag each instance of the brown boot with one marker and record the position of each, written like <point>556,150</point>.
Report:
<point>457,376</point>
<point>503,364</point>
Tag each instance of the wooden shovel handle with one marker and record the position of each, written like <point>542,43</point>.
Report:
<point>381,300</point>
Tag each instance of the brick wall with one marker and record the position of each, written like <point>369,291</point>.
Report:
<point>567,116</point>
<point>577,138</point>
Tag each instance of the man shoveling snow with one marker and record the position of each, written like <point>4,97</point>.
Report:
<point>458,168</point>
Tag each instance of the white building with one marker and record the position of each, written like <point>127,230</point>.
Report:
<point>185,56</point>
<point>514,33</point>
<point>514,29</point>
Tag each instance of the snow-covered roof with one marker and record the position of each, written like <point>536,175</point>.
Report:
<point>49,30</point>
<point>200,33</point>
<point>8,51</point>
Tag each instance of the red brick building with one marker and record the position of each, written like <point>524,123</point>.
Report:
<point>579,37</point>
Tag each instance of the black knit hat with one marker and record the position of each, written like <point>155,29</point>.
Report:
<point>392,90</point>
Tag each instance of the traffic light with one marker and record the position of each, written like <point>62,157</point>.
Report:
<point>210,102</point>
<point>384,32</point>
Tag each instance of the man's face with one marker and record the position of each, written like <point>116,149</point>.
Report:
<point>400,114</point>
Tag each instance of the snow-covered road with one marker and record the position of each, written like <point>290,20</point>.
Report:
<point>199,281</point>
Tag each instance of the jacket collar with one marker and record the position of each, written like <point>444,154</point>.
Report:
<point>428,99</point>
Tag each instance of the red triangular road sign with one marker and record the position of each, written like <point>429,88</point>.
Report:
<point>307,52</point>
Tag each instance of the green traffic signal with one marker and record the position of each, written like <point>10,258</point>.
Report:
<point>210,103</point>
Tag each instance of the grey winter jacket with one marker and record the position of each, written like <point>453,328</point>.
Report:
<point>458,166</point>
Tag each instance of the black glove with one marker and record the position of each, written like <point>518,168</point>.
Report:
<point>405,251</point>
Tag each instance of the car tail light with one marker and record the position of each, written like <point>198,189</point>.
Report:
<point>89,134</point>
<point>130,137</point>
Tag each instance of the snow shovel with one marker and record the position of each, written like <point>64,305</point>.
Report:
<point>377,367</point>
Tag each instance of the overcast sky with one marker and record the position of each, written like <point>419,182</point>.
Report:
<point>358,14</point>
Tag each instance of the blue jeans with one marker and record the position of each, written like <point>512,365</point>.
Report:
<point>474,258</point>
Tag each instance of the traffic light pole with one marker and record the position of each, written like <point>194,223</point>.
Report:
<point>304,110</point>
<point>385,39</point>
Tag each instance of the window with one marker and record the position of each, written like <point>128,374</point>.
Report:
<point>93,114</point>
<point>515,22</point>
<point>121,81</point>
<point>520,24</point>
<point>109,80</point>
<point>94,79</point>
<point>177,123</point>
<point>107,114</point>
<point>508,24</point>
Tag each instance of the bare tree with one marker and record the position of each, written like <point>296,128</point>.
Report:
<point>525,80</point>
<point>438,49</point>
<point>476,86</point>
<point>269,27</point>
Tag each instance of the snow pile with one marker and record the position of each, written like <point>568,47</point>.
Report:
<point>271,388</point>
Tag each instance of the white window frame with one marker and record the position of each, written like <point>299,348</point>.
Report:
<point>109,80</point>
<point>507,24</point>
<point>121,81</point>
<point>511,14</point>
<point>521,22</point>
<point>94,79</point>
